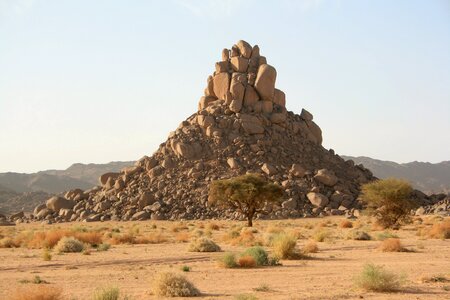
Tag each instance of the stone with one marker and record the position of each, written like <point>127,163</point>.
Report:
<point>43,213</point>
<point>205,101</point>
<point>236,105</point>
<point>205,121</point>
<point>315,131</point>
<point>297,170</point>
<point>255,51</point>
<point>306,115</point>
<point>225,54</point>
<point>155,206</point>
<point>278,118</point>
<point>104,178</point>
<point>265,82</point>
<point>267,107</point>
<point>279,98</point>
<point>221,85</point>
<point>239,64</point>
<point>251,124</point>
<point>420,211</point>
<point>119,185</point>
<point>17,215</point>
<point>250,96</point>
<point>222,66</point>
<point>209,90</point>
<point>146,198</point>
<point>237,90</point>
<point>244,48</point>
<point>317,199</point>
<point>232,163</point>
<point>234,51</point>
<point>140,216</point>
<point>289,204</point>
<point>38,208</point>
<point>56,203</point>
<point>269,169</point>
<point>326,177</point>
<point>131,170</point>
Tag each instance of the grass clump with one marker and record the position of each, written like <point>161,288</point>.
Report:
<point>38,293</point>
<point>440,230</point>
<point>69,244</point>
<point>245,297</point>
<point>391,245</point>
<point>173,285</point>
<point>259,254</point>
<point>111,293</point>
<point>310,247</point>
<point>284,246</point>
<point>203,245</point>
<point>377,279</point>
<point>247,261</point>
<point>103,247</point>
<point>46,255</point>
<point>346,224</point>
<point>321,235</point>
<point>359,235</point>
<point>185,268</point>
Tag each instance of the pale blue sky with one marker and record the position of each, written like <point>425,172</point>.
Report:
<point>97,81</point>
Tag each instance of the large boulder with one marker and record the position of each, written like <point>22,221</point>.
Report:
<point>317,199</point>
<point>239,64</point>
<point>326,177</point>
<point>105,177</point>
<point>251,124</point>
<point>265,81</point>
<point>244,48</point>
<point>56,203</point>
<point>221,85</point>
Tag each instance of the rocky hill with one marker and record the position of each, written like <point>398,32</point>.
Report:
<point>427,177</point>
<point>241,125</point>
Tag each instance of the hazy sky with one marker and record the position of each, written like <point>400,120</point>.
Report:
<point>99,81</point>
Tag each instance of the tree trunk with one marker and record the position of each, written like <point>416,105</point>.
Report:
<point>250,221</point>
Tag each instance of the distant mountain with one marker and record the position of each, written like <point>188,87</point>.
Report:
<point>427,177</point>
<point>19,191</point>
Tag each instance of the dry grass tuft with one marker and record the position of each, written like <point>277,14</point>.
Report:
<point>212,226</point>
<point>391,245</point>
<point>310,247</point>
<point>375,278</point>
<point>346,224</point>
<point>247,261</point>
<point>321,235</point>
<point>203,245</point>
<point>358,235</point>
<point>111,293</point>
<point>228,260</point>
<point>284,246</point>
<point>69,244</point>
<point>38,293</point>
<point>182,237</point>
<point>173,285</point>
<point>440,230</point>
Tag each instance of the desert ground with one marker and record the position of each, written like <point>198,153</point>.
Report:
<point>140,250</point>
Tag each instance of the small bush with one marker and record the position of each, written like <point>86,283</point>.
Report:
<point>91,238</point>
<point>38,293</point>
<point>69,244</point>
<point>111,293</point>
<point>321,235</point>
<point>203,245</point>
<point>259,254</point>
<point>185,268</point>
<point>46,255</point>
<point>247,261</point>
<point>103,247</point>
<point>346,224</point>
<point>310,247</point>
<point>391,245</point>
<point>388,200</point>
<point>245,297</point>
<point>212,226</point>
<point>284,246</point>
<point>375,278</point>
<point>228,260</point>
<point>440,230</point>
<point>8,242</point>
<point>173,285</point>
<point>358,235</point>
<point>262,288</point>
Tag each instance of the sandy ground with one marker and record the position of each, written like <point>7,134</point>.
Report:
<point>327,275</point>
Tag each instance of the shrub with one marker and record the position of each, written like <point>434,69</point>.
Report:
<point>245,297</point>
<point>203,245</point>
<point>259,254</point>
<point>46,255</point>
<point>173,285</point>
<point>284,246</point>
<point>125,238</point>
<point>69,244</point>
<point>440,230</point>
<point>212,226</point>
<point>111,293</point>
<point>151,238</point>
<point>38,293</point>
<point>8,242</point>
<point>321,235</point>
<point>310,247</point>
<point>185,268</point>
<point>228,260</point>
<point>247,261</point>
<point>346,224</point>
<point>92,238</point>
<point>358,235</point>
<point>388,200</point>
<point>391,245</point>
<point>103,247</point>
<point>375,278</point>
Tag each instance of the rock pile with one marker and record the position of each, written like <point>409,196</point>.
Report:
<point>242,125</point>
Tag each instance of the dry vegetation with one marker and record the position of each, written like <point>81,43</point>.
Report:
<point>128,255</point>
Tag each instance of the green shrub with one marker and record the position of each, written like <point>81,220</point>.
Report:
<point>203,245</point>
<point>228,260</point>
<point>173,285</point>
<point>69,244</point>
<point>388,200</point>
<point>185,268</point>
<point>111,293</point>
<point>375,278</point>
<point>259,254</point>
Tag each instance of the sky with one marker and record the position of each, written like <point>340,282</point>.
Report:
<point>99,81</point>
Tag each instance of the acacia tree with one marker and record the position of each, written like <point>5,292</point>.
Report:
<point>249,194</point>
<point>388,200</point>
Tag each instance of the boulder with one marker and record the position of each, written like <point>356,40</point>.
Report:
<point>265,82</point>
<point>237,90</point>
<point>317,199</point>
<point>17,215</point>
<point>104,178</point>
<point>306,115</point>
<point>222,66</point>
<point>140,216</point>
<point>131,170</point>
<point>250,96</point>
<point>225,54</point>
<point>232,163</point>
<point>315,131</point>
<point>236,105</point>
<point>267,107</point>
<point>56,203</point>
<point>239,64</point>
<point>297,170</point>
<point>221,85</point>
<point>279,98</point>
<point>38,208</point>
<point>244,48</point>
<point>146,198</point>
<point>278,118</point>
<point>269,169</point>
<point>326,177</point>
<point>251,124</point>
<point>289,204</point>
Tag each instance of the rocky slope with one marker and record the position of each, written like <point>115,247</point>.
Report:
<point>241,126</point>
<point>427,177</point>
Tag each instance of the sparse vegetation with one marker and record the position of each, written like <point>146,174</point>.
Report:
<point>103,247</point>
<point>388,200</point>
<point>391,245</point>
<point>46,255</point>
<point>247,261</point>
<point>111,293</point>
<point>376,278</point>
<point>358,235</point>
<point>259,254</point>
<point>249,194</point>
<point>185,268</point>
<point>440,230</point>
<point>346,224</point>
<point>310,247</point>
<point>386,235</point>
<point>69,244</point>
<point>173,285</point>
<point>228,260</point>
<point>284,246</point>
<point>321,235</point>
<point>203,245</point>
